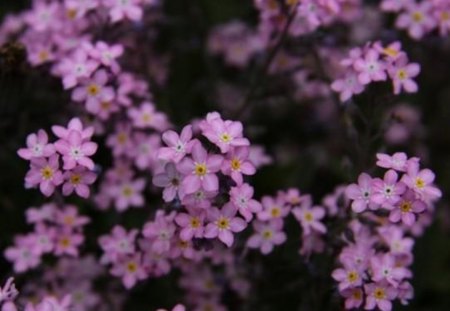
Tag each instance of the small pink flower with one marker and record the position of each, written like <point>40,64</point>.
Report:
<point>67,243</point>
<point>354,297</point>
<point>384,268</point>
<point>407,209</point>
<point>348,277</point>
<point>309,218</point>
<point>79,66</point>
<point>348,86</point>
<point>130,269</point>
<point>94,91</point>
<point>379,295</point>
<point>146,116</point>
<point>118,243</point>
<point>78,180</point>
<point>417,19</point>
<point>37,146</point>
<point>361,193</point>
<point>73,125</point>
<point>44,173</point>
<point>76,151</point>
<point>191,224</point>
<point>236,164</point>
<point>9,291</point>
<point>242,198</point>
<point>69,218</point>
<point>421,181</point>
<point>170,180</point>
<point>267,235</point>
<point>273,209</point>
<point>121,9</point>
<point>225,134</point>
<point>395,5</point>
<point>178,146</point>
<point>22,255</point>
<point>53,304</point>
<point>388,192</point>
<point>402,73</point>
<point>223,224</point>
<point>161,230</point>
<point>200,170</point>
<point>128,193</point>
<point>370,68</point>
<point>398,161</point>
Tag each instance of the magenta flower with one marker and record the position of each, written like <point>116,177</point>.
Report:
<point>69,218</point>
<point>44,239</point>
<point>161,230</point>
<point>361,193</point>
<point>94,91</point>
<point>107,54</point>
<point>37,146</point>
<point>417,19</point>
<point>236,164</point>
<point>353,298</point>
<point>21,254</point>
<point>199,199</point>
<point>267,235</point>
<point>9,291</point>
<point>370,68</point>
<point>223,224</point>
<point>348,277</point>
<point>44,173</point>
<point>128,193</point>
<point>170,180</point>
<point>384,268</point>
<point>394,5</point>
<point>78,180</point>
<point>130,269</point>
<point>178,146</point>
<point>76,68</point>
<point>242,198</point>
<point>273,209</point>
<point>145,147</point>
<point>388,192</point>
<point>421,181</point>
<point>74,125</point>
<point>76,151</point>
<point>192,224</point>
<point>68,242</point>
<point>200,171</point>
<point>309,218</point>
<point>379,295</point>
<point>407,209</point>
<point>121,9</point>
<point>402,73</point>
<point>146,116</point>
<point>225,134</point>
<point>347,87</point>
<point>398,161</point>
<point>118,243</point>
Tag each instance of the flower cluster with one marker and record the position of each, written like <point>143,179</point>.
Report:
<point>420,17</point>
<point>57,231</point>
<point>374,63</point>
<point>375,262</point>
<point>74,147</point>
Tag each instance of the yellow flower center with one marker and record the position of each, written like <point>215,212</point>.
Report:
<point>401,74</point>
<point>225,137</point>
<point>273,4</point>
<point>267,234</point>
<point>69,220</point>
<point>75,179</point>
<point>47,173</point>
<point>235,164</point>
<point>292,2</point>
<point>127,191</point>
<point>200,169</point>
<point>146,117</point>
<point>352,276</point>
<point>195,222</point>
<point>420,183</point>
<point>390,52</point>
<point>105,105</point>
<point>183,244</point>
<point>275,212</point>
<point>132,267</point>
<point>445,16</point>
<point>223,223</point>
<point>64,242</point>
<point>122,138</point>
<point>43,55</point>
<point>379,293</point>
<point>406,206</point>
<point>357,295</point>
<point>417,17</point>
<point>71,13</point>
<point>309,217</point>
<point>93,89</point>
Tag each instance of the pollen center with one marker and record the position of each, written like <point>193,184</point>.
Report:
<point>275,212</point>
<point>127,191</point>
<point>309,217</point>
<point>417,17</point>
<point>200,169</point>
<point>132,267</point>
<point>235,164</point>
<point>225,137</point>
<point>75,179</point>
<point>405,206</point>
<point>352,276</point>
<point>420,183</point>
<point>47,173</point>
<point>267,234</point>
<point>401,74</point>
<point>195,222</point>
<point>379,293</point>
<point>93,89</point>
<point>223,223</point>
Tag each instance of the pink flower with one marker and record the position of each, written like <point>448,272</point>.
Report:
<point>68,242</point>
<point>121,9</point>
<point>223,224</point>
<point>75,68</point>
<point>70,219</point>
<point>170,180</point>
<point>107,54</point>
<point>191,224</point>
<point>384,268</point>
<point>146,116</point>
<point>145,147</point>
<point>353,298</point>
<point>370,68</point>
<point>348,277</point>
<point>52,304</point>
<point>178,146</point>
<point>76,151</point>
<point>361,193</point>
<point>44,173</point>
<point>236,164</point>
<point>9,291</point>
<point>45,239</point>
<point>21,254</point>
<point>242,198</point>
<point>273,209</point>
<point>379,295</point>
<point>395,5</point>
<point>94,91</point>
<point>128,193</point>
<point>407,208</point>
<point>347,87</point>
<point>398,161</point>
<point>225,134</point>
<point>130,269</point>
<point>309,218</point>
<point>388,192</point>
<point>417,18</point>
<point>118,243</point>
<point>200,170</point>
<point>161,230</point>
<point>267,235</point>
<point>37,146</point>
<point>421,181</point>
<point>74,125</point>
<point>79,180</point>
<point>402,73</point>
